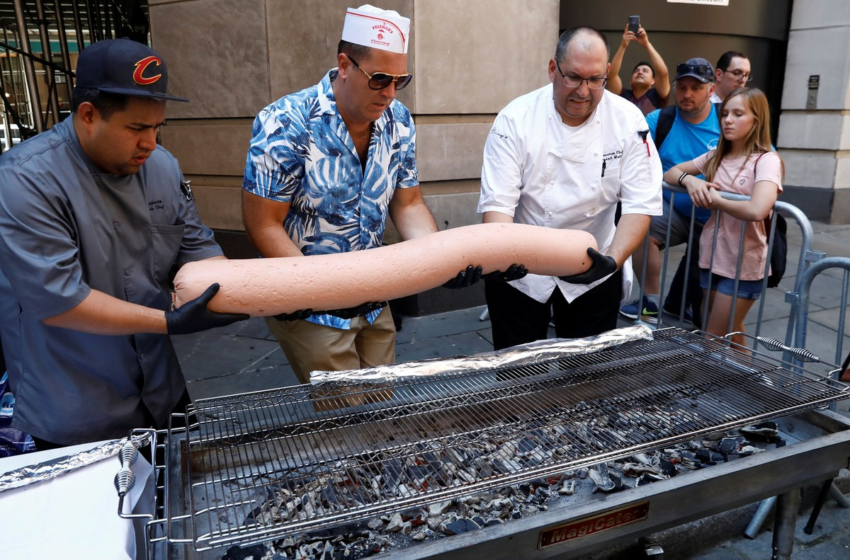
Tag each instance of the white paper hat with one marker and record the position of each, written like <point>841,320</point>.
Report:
<point>373,27</point>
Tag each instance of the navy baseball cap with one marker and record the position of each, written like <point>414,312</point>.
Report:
<point>698,68</point>
<point>124,67</point>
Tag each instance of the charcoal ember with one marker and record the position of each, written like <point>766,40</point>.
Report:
<point>764,431</point>
<point>602,481</point>
<point>516,514</point>
<point>484,469</point>
<point>583,472</point>
<point>422,534</point>
<point>709,457</point>
<point>493,521</point>
<point>416,516</point>
<point>471,500</point>
<point>748,450</point>
<point>395,523</point>
<point>637,469</point>
<point>457,456</point>
<point>499,504</point>
<point>779,442</point>
<point>391,470</point>
<point>403,491</point>
<point>543,493</point>
<point>730,445</point>
<point>441,508</point>
<point>459,526</point>
<point>641,458</point>
<point>434,523</point>
<point>375,523</point>
<point>527,509</point>
<point>568,488</point>
<point>526,447</point>
<point>255,552</point>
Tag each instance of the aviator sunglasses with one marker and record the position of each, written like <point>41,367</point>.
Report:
<point>380,80</point>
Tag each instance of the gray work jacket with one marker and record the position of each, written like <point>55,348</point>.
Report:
<point>65,229</point>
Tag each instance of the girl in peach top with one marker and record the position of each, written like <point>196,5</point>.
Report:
<point>743,163</point>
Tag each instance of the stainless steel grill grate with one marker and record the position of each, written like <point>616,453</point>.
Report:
<point>253,458</point>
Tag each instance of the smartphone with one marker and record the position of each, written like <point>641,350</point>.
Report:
<point>634,24</point>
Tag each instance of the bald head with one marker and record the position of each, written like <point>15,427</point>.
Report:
<point>581,39</point>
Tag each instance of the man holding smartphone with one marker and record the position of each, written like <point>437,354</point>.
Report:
<point>650,83</point>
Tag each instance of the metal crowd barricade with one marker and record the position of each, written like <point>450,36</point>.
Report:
<point>806,257</point>
<point>800,299</point>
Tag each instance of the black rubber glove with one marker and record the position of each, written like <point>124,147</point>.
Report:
<point>464,278</point>
<point>193,316</point>
<point>357,311</point>
<point>299,315</point>
<point>515,272</point>
<point>602,266</point>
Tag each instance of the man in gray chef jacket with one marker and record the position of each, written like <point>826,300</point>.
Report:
<point>93,216</point>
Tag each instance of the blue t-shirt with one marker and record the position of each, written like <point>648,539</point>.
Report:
<point>685,142</point>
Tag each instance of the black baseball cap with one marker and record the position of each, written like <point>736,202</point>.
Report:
<point>698,68</point>
<point>124,67</point>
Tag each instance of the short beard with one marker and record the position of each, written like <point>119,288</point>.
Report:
<point>696,112</point>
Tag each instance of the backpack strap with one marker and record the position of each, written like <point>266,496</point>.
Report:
<point>665,122</point>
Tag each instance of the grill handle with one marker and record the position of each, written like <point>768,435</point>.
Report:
<point>776,346</point>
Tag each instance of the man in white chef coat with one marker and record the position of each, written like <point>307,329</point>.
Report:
<point>563,157</point>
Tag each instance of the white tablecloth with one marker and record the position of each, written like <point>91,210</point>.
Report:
<point>74,515</point>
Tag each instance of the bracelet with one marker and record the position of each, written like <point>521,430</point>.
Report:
<point>682,178</point>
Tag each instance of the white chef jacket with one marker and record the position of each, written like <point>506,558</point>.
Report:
<point>532,174</point>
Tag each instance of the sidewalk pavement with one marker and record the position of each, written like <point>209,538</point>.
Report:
<point>244,357</point>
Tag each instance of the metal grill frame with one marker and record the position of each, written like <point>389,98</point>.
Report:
<point>237,438</point>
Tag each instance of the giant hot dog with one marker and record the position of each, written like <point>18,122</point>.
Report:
<point>263,287</point>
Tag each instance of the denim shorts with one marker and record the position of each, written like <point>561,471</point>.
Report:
<point>747,289</point>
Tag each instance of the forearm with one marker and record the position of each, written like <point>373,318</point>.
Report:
<point>494,217</point>
<point>615,85</point>
<point>662,75</point>
<point>657,62</point>
<point>414,220</point>
<point>671,176</point>
<point>271,240</point>
<point>103,314</point>
<point>630,233</point>
<point>742,209</point>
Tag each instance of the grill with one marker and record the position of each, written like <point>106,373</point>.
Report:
<point>406,443</point>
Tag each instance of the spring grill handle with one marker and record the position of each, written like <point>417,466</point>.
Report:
<point>799,353</point>
<point>125,478</point>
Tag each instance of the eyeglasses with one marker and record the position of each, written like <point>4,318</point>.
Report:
<point>699,69</point>
<point>575,81</point>
<point>380,80</point>
<point>740,75</point>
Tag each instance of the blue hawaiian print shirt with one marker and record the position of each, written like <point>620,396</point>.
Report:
<point>301,153</point>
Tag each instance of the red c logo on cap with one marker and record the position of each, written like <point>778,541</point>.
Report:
<point>141,66</point>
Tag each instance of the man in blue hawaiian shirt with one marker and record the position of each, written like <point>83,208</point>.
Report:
<point>330,163</point>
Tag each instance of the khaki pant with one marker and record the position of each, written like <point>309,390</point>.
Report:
<point>311,347</point>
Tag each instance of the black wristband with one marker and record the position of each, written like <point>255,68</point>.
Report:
<point>682,178</point>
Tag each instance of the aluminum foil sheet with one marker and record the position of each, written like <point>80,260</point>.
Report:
<point>515,356</point>
<point>31,474</point>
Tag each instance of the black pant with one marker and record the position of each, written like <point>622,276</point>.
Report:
<point>518,319</point>
<point>180,408</point>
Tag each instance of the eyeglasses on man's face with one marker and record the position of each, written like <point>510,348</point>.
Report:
<point>740,75</point>
<point>573,81</point>
<point>380,80</point>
